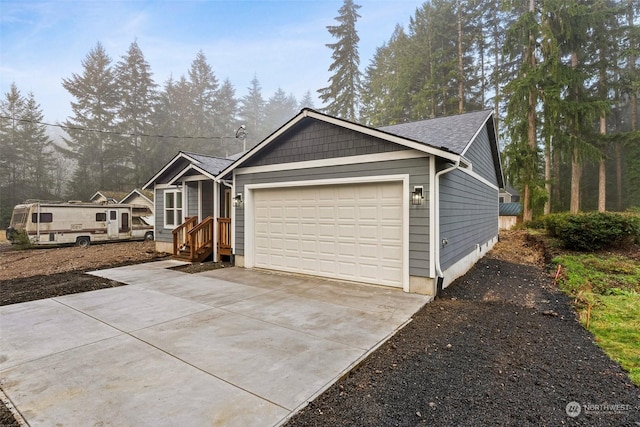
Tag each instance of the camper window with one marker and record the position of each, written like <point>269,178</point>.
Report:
<point>44,217</point>
<point>101,217</point>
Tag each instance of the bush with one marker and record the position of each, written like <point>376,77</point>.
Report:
<point>594,230</point>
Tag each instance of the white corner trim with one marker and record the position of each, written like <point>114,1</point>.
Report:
<point>335,161</point>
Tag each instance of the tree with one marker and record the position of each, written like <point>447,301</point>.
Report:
<point>252,114</point>
<point>342,94</point>
<point>226,108</point>
<point>279,109</point>
<point>306,101</point>
<point>137,98</point>
<point>90,141</point>
<point>202,115</point>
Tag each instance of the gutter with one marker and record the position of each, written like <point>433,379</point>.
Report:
<point>438,245</point>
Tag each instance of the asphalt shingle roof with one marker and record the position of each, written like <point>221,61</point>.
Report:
<point>451,133</point>
<point>213,165</point>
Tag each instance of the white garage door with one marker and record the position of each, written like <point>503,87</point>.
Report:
<point>349,232</point>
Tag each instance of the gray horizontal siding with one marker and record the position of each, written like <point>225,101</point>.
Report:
<point>314,140</point>
<point>418,215</point>
<point>468,215</point>
<point>479,153</point>
<point>161,234</point>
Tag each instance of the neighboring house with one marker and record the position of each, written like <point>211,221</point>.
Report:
<point>413,205</point>
<point>508,194</point>
<point>192,208</point>
<point>509,213</point>
<point>139,198</point>
<point>107,197</point>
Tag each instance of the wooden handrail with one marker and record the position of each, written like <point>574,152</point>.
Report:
<point>181,231</point>
<point>200,236</point>
<point>224,237</point>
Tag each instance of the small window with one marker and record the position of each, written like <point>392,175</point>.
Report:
<point>172,208</point>
<point>113,215</point>
<point>501,199</point>
<point>124,226</point>
<point>44,217</point>
<point>101,216</point>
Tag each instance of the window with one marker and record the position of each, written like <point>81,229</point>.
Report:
<point>124,224</point>
<point>101,216</point>
<point>172,208</point>
<point>113,215</point>
<point>44,217</point>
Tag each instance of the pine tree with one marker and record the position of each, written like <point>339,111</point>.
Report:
<point>279,109</point>
<point>202,118</point>
<point>37,150</point>
<point>343,93</point>
<point>306,101</point>
<point>12,155</point>
<point>226,112</point>
<point>252,114</point>
<point>137,99</point>
<point>96,151</point>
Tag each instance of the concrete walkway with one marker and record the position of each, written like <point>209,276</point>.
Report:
<point>228,347</point>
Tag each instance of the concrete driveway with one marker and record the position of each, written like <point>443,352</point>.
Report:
<point>230,347</point>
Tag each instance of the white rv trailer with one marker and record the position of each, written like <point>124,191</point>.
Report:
<point>54,223</point>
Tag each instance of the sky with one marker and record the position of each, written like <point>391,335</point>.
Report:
<point>281,42</point>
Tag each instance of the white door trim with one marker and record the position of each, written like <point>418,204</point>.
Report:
<point>249,214</point>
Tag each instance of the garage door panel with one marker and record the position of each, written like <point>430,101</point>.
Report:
<point>341,231</point>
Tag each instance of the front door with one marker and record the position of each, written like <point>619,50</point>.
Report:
<point>112,224</point>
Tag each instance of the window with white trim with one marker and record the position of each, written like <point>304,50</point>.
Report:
<point>172,208</point>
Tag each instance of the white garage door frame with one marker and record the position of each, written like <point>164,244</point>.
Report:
<point>249,219</point>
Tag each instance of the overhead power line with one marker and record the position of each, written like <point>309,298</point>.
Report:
<point>107,132</point>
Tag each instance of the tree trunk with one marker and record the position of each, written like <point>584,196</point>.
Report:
<point>618,153</point>
<point>460,62</point>
<point>576,174</point>
<point>547,174</point>
<point>527,211</point>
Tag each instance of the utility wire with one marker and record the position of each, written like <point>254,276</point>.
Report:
<point>107,132</point>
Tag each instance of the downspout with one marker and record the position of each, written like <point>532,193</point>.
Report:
<point>438,245</point>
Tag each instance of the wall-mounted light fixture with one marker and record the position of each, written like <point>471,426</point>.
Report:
<point>417,197</point>
<point>237,201</point>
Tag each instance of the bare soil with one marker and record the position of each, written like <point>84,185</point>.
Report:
<point>500,346</point>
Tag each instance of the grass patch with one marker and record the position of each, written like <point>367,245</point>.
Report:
<point>606,294</point>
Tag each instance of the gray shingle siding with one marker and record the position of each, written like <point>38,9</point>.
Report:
<point>418,215</point>
<point>479,152</point>
<point>316,140</point>
<point>468,215</point>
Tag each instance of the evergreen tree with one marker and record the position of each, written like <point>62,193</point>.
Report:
<point>37,150</point>
<point>96,152</point>
<point>137,98</point>
<point>202,115</point>
<point>306,101</point>
<point>252,114</point>
<point>342,94</point>
<point>279,109</point>
<point>227,111</point>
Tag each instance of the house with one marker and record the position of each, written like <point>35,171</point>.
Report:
<point>508,215</point>
<point>413,205</point>
<point>508,194</point>
<point>139,198</point>
<point>107,197</point>
<point>192,208</point>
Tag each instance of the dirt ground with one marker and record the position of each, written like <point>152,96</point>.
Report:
<point>500,346</point>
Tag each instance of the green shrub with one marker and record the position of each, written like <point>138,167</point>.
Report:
<point>594,230</point>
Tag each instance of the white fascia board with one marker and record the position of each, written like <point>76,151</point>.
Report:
<point>347,125</point>
<point>335,161</point>
<point>178,156</point>
<point>203,174</point>
<point>479,178</point>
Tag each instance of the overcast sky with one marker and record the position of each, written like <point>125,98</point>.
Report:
<point>281,42</point>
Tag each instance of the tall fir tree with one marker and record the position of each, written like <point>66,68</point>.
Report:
<point>95,150</point>
<point>343,93</point>
<point>137,98</point>
<point>202,115</point>
<point>251,114</point>
<point>279,109</point>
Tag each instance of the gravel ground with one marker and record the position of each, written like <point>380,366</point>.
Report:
<point>500,346</point>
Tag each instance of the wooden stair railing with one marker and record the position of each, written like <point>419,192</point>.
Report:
<point>180,234</point>
<point>198,241</point>
<point>224,237</point>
